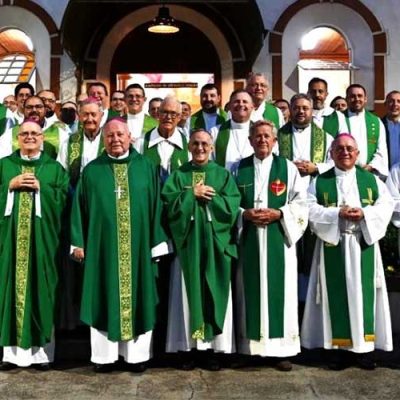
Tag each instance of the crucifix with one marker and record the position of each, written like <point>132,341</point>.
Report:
<point>119,191</point>
<point>258,202</point>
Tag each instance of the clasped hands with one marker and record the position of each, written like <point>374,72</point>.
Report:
<point>306,167</point>
<point>203,192</point>
<point>78,254</point>
<point>351,213</point>
<point>26,181</point>
<point>262,216</point>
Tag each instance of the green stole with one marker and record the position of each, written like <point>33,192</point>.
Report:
<point>331,124</point>
<point>197,119</point>
<point>271,114</point>
<point>318,143</point>
<point>275,251</point>
<point>178,158</point>
<point>335,274</point>
<point>48,147</point>
<point>3,119</point>
<point>74,155</point>
<point>373,132</point>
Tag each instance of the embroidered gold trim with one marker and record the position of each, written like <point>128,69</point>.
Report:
<point>198,177</point>
<point>198,334</point>
<point>22,255</point>
<point>319,144</point>
<point>342,342</point>
<point>122,202</point>
<point>370,200</point>
<point>75,149</point>
<point>285,145</point>
<point>369,338</point>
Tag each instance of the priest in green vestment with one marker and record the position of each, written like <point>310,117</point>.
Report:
<point>258,86</point>
<point>33,189</point>
<point>274,217</point>
<point>347,305</point>
<point>116,232</point>
<point>202,203</point>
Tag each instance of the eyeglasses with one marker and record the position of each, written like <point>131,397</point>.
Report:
<point>342,149</point>
<point>134,96</point>
<point>26,134</point>
<point>171,114</point>
<point>30,107</point>
<point>117,99</point>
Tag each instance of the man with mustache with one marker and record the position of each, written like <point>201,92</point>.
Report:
<point>325,117</point>
<point>34,109</point>
<point>368,130</point>
<point>49,101</point>
<point>210,114</point>
<point>231,142</point>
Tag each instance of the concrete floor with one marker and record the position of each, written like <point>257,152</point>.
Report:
<point>304,382</point>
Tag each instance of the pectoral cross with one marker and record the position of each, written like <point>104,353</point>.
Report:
<point>258,202</point>
<point>119,191</point>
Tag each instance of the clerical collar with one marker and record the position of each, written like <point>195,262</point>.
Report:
<point>33,158</point>
<point>355,114</point>
<point>121,157</point>
<point>175,138</point>
<point>341,172</point>
<point>240,125</point>
<point>135,116</point>
<point>302,129</point>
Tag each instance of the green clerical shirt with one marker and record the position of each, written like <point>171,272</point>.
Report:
<point>202,234</point>
<point>28,251</point>
<point>116,220</point>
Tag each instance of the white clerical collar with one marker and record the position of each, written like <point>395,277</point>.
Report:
<point>27,158</point>
<point>136,116</point>
<point>307,129</point>
<point>354,114</point>
<point>340,172</point>
<point>324,112</point>
<point>175,138</point>
<point>121,157</point>
<point>240,125</point>
<point>264,162</point>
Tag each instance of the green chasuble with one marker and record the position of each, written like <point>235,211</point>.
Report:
<point>116,220</point>
<point>149,123</point>
<point>202,234</point>
<point>372,123</point>
<point>318,143</point>
<point>28,252</point>
<point>331,124</point>
<point>277,198</point>
<point>271,114</point>
<point>197,119</point>
<point>335,273</point>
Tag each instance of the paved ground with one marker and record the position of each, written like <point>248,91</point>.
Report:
<point>304,382</point>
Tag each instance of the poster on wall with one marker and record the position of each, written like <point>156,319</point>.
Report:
<point>185,87</point>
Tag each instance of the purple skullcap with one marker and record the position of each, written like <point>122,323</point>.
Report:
<point>90,100</point>
<point>117,118</point>
<point>344,134</point>
<point>29,119</point>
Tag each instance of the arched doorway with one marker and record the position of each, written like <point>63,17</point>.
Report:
<point>17,60</point>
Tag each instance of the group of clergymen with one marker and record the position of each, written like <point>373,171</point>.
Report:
<point>223,209</point>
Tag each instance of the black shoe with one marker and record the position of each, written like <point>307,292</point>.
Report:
<point>138,368</point>
<point>42,367</point>
<point>6,366</point>
<point>103,368</point>
<point>364,362</point>
<point>284,366</point>
<point>212,364</point>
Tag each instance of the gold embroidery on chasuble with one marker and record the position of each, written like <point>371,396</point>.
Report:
<point>22,254</point>
<point>124,249</point>
<point>75,149</point>
<point>198,177</point>
<point>319,145</point>
<point>370,200</point>
<point>198,334</point>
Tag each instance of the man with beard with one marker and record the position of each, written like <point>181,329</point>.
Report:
<point>138,121</point>
<point>98,90</point>
<point>49,101</point>
<point>210,114</point>
<point>84,145</point>
<point>391,121</point>
<point>257,85</point>
<point>325,117</point>
<point>34,109</point>
<point>33,190</point>
<point>368,131</point>
<point>231,138</point>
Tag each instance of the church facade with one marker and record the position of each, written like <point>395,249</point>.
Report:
<point>78,41</point>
